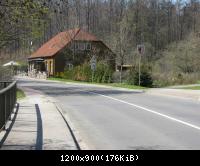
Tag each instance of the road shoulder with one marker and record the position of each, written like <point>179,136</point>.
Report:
<point>176,93</point>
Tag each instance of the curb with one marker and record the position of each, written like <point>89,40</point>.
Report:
<point>76,136</point>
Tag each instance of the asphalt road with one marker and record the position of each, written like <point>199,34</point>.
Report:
<point>107,118</point>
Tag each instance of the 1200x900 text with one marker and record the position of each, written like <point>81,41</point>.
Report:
<point>96,158</point>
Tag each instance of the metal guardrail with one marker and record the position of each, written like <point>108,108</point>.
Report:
<point>8,98</point>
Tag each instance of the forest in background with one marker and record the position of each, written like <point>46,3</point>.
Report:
<point>169,29</point>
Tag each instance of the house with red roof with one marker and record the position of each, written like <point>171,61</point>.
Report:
<point>67,49</point>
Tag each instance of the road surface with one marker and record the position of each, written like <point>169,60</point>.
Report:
<point>107,118</point>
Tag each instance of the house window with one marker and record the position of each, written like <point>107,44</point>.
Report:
<point>76,46</point>
<point>82,46</point>
<point>70,66</point>
<point>88,46</point>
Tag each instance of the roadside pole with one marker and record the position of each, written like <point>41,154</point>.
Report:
<point>92,76</point>
<point>93,62</point>
<point>140,69</point>
<point>141,50</point>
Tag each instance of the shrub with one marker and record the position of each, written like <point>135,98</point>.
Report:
<point>103,73</point>
<point>23,68</point>
<point>5,74</point>
<point>125,77</point>
<point>59,75</point>
<point>81,73</point>
<point>68,74</point>
<point>168,79</point>
<point>146,79</point>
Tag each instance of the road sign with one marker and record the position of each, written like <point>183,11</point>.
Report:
<point>93,63</point>
<point>93,67</point>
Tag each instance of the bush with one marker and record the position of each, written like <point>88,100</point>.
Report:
<point>103,73</point>
<point>146,79</point>
<point>81,73</point>
<point>5,74</point>
<point>68,74</point>
<point>178,64</point>
<point>59,75</point>
<point>23,68</point>
<point>106,73</point>
<point>116,77</point>
<point>168,79</point>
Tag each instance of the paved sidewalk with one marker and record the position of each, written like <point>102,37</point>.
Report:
<point>38,126</point>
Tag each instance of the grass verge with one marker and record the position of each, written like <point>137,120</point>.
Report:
<point>20,94</point>
<point>193,88</point>
<point>123,85</point>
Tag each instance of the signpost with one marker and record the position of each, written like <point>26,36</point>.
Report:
<point>141,51</point>
<point>93,63</point>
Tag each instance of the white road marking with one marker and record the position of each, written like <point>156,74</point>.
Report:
<point>149,110</point>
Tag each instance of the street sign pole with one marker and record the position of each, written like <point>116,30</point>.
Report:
<point>139,69</point>
<point>93,66</point>
<point>141,50</point>
<point>92,76</point>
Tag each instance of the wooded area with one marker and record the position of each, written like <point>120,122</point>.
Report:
<point>169,29</point>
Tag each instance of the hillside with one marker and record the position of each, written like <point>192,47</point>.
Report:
<point>180,63</point>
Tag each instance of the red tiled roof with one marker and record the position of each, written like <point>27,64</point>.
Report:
<point>60,41</point>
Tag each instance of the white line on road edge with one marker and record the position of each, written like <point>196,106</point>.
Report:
<point>149,110</point>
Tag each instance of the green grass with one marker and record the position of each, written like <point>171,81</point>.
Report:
<point>193,88</point>
<point>65,80</point>
<point>127,86</point>
<point>123,85</point>
<point>20,94</point>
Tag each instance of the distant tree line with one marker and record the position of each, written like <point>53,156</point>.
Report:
<point>21,21</point>
<point>121,24</point>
